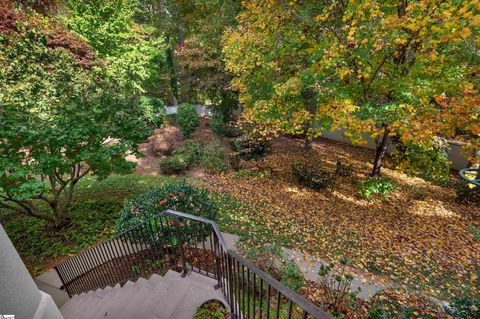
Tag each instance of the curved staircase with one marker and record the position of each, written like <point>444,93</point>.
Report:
<point>165,297</point>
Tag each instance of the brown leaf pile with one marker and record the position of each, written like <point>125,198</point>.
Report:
<point>418,236</point>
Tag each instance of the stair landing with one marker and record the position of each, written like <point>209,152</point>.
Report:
<point>167,297</point>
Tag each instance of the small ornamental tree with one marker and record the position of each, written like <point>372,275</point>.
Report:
<point>61,117</point>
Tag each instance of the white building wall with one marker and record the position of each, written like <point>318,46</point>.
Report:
<point>19,295</point>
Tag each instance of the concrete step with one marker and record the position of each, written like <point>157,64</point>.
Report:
<point>159,297</point>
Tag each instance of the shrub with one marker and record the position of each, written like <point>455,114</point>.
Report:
<point>312,176</point>
<point>184,157</point>
<point>464,308</point>
<point>467,192</point>
<point>171,119</point>
<point>181,197</point>
<point>250,146</point>
<point>231,130</point>
<point>154,110</point>
<point>211,310</point>
<point>187,119</point>
<point>234,161</point>
<point>428,162</point>
<point>217,123</point>
<point>192,149</point>
<point>376,186</point>
<point>262,255</point>
<point>174,164</point>
<point>344,170</point>
<point>336,286</point>
<point>214,158</point>
<point>291,276</point>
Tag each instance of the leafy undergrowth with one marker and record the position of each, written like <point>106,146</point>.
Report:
<point>419,235</point>
<point>211,310</point>
<point>94,212</point>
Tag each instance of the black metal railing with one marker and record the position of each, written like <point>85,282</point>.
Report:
<point>182,242</point>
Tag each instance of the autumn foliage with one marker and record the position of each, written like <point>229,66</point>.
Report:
<point>304,67</point>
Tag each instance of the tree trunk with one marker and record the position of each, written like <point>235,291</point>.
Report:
<point>380,153</point>
<point>309,97</point>
<point>308,143</point>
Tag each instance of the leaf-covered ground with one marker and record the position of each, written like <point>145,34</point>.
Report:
<point>418,236</point>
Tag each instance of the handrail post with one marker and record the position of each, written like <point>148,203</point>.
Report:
<point>230,285</point>
<point>217,262</point>
<point>63,282</point>
<point>180,246</point>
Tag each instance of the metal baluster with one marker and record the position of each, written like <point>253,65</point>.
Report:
<point>206,255</point>
<point>161,242</point>
<point>217,263</point>
<point>279,299</point>
<point>95,270</point>
<point>134,256</point>
<point>180,247</point>
<point>290,309</point>
<point>148,249</point>
<point>253,294</point>
<point>230,280</point>
<point>223,265</point>
<point>243,290</point>
<point>248,292</point>
<point>153,242</point>
<point>141,254</point>
<point>236,287</point>
<point>174,249</point>
<point>125,256</point>
<point>163,235</point>
<point>106,264</point>
<point>63,282</point>
<point>110,250</point>
<point>260,307</point>
<point>121,258</point>
<point>100,267</point>
<point>213,253</point>
<point>76,279</point>
<point>64,269</point>
<point>268,300</point>
<point>86,262</point>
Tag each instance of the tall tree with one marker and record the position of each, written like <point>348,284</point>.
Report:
<point>134,54</point>
<point>62,116</point>
<point>194,32</point>
<point>274,56</point>
<point>393,58</point>
<point>372,67</point>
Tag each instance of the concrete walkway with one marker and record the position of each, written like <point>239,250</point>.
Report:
<point>369,284</point>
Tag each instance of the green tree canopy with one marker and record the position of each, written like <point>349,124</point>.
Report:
<point>134,54</point>
<point>62,116</point>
